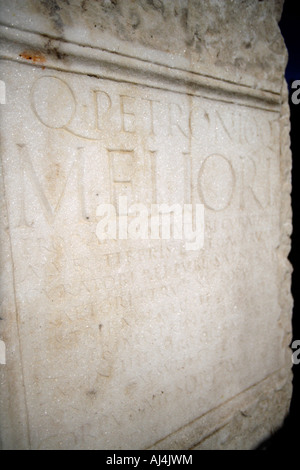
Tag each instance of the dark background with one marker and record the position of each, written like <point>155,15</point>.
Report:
<point>286,438</point>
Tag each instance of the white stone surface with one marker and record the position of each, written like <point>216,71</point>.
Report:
<point>122,344</point>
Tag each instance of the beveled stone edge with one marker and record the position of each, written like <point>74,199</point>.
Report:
<point>193,434</point>
<point>14,415</point>
<point>71,57</point>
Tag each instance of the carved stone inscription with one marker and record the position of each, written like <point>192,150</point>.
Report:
<point>115,333</point>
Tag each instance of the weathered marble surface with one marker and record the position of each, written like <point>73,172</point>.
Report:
<point>235,40</point>
<point>142,344</point>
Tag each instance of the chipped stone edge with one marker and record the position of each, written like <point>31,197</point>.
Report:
<point>284,266</point>
<point>263,405</point>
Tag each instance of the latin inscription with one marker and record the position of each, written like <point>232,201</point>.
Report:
<point>119,141</point>
<point>164,152</point>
